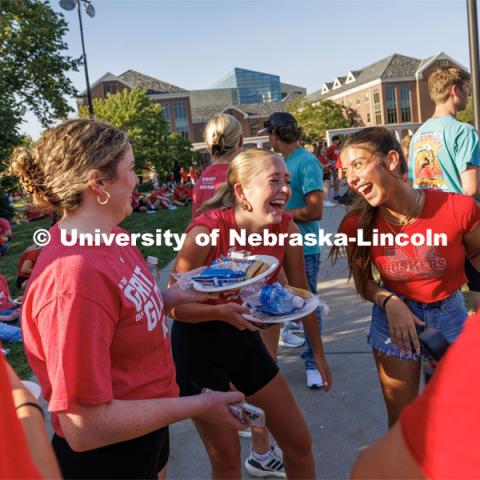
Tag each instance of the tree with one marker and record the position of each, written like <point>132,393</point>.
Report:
<point>154,147</point>
<point>316,119</point>
<point>467,114</point>
<point>32,67</point>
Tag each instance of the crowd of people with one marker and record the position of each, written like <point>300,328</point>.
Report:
<point>115,377</point>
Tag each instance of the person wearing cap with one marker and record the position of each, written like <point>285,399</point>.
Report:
<point>306,205</point>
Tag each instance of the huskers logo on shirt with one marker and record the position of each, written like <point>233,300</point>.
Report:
<point>423,262</point>
<point>146,297</point>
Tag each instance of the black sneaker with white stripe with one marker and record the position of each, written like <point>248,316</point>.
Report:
<point>272,466</point>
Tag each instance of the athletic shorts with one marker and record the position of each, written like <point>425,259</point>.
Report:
<point>214,354</point>
<point>473,276</point>
<point>142,457</point>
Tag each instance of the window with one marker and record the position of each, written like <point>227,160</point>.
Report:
<point>377,107</point>
<point>181,119</point>
<point>369,118</point>
<point>405,109</point>
<point>358,100</point>
<point>391,105</point>
<point>443,63</point>
<point>166,114</point>
<point>349,102</point>
<point>109,88</point>
<point>367,97</point>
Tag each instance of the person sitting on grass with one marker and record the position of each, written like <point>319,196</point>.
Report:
<point>26,262</point>
<point>8,313</point>
<point>181,196</point>
<point>158,199</point>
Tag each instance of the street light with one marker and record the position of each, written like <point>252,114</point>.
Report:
<point>90,11</point>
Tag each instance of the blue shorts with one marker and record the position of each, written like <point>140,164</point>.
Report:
<point>447,315</point>
<point>8,311</point>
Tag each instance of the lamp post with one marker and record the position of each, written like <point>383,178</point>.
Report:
<point>90,11</point>
<point>474,63</point>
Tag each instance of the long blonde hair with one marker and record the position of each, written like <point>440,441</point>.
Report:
<point>222,134</point>
<point>242,169</point>
<point>56,169</point>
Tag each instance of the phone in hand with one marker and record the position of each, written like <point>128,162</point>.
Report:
<point>248,413</point>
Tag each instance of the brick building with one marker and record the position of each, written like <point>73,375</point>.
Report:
<point>175,101</point>
<point>391,91</point>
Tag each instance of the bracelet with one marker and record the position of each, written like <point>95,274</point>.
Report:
<point>32,404</point>
<point>386,300</point>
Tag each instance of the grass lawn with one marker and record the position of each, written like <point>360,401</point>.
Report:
<point>174,220</point>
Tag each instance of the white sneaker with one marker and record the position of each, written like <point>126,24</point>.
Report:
<point>296,327</point>
<point>328,203</point>
<point>288,339</point>
<point>314,379</point>
<point>247,433</point>
<point>272,466</point>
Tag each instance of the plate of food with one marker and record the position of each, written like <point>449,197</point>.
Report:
<point>268,308</point>
<point>232,273</point>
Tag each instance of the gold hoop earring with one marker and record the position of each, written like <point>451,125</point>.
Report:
<point>104,202</point>
<point>246,205</point>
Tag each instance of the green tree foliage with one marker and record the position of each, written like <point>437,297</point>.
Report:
<point>315,119</point>
<point>467,114</point>
<point>154,147</point>
<point>32,67</point>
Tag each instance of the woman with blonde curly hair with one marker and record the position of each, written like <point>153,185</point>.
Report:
<point>94,319</point>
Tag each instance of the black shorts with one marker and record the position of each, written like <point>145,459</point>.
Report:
<point>142,457</point>
<point>215,354</point>
<point>473,276</point>
<point>20,280</point>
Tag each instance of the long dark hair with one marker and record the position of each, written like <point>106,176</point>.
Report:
<point>378,141</point>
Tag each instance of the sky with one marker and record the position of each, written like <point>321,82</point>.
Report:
<point>193,43</point>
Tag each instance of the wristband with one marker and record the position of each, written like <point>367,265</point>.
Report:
<point>31,404</point>
<point>386,300</point>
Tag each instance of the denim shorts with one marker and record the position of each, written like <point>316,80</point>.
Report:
<point>447,315</point>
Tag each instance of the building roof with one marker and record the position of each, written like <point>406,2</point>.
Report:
<point>394,66</point>
<point>132,79</point>
<point>203,114</point>
<point>138,79</point>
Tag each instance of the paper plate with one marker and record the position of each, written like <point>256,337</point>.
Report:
<point>310,306</point>
<point>34,388</point>
<point>273,261</point>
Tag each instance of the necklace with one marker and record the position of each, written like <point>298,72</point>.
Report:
<point>413,214</point>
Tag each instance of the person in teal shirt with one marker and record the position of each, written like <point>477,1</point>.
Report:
<point>444,152</point>
<point>306,205</point>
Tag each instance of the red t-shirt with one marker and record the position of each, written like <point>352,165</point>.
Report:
<point>32,255</point>
<point>224,221</point>
<point>333,153</point>
<point>5,304</point>
<point>94,327</point>
<point>212,177</point>
<point>183,175</point>
<point>427,273</point>
<point>15,459</point>
<point>4,226</point>
<point>440,428</point>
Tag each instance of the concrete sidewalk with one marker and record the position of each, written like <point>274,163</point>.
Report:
<point>341,422</point>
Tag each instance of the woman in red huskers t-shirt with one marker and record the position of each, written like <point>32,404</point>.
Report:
<point>420,279</point>
<point>214,346</point>
<point>93,317</point>
<point>224,139</point>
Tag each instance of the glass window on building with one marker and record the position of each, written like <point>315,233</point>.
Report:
<point>181,118</point>
<point>405,104</point>
<point>358,100</point>
<point>367,97</point>
<point>349,102</point>
<point>109,88</point>
<point>166,114</point>
<point>369,118</point>
<point>377,107</point>
<point>391,105</point>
